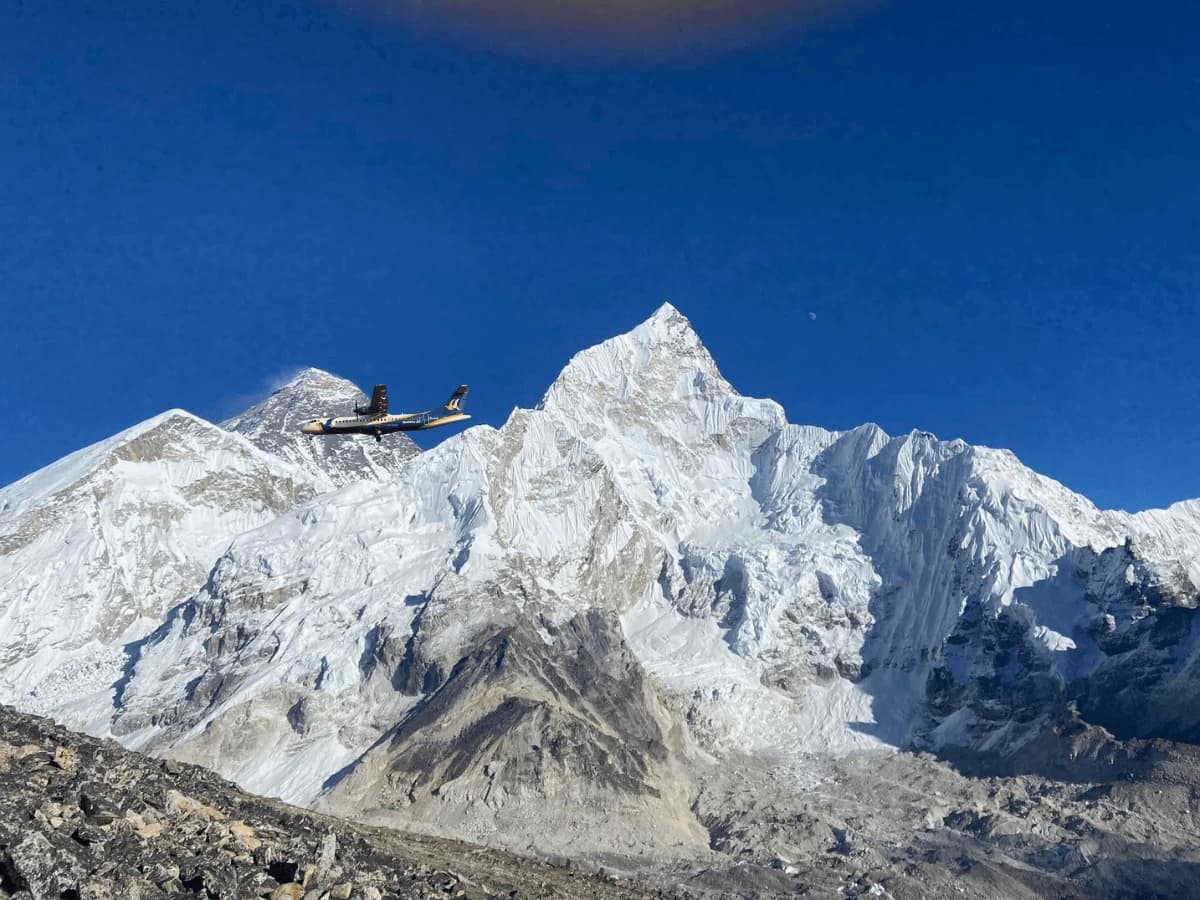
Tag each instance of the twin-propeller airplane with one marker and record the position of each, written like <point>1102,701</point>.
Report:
<point>374,419</point>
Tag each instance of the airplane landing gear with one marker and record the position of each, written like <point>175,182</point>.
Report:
<point>378,437</point>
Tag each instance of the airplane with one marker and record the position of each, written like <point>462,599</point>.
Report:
<point>373,419</point>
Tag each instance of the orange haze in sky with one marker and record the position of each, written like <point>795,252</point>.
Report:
<point>580,27</point>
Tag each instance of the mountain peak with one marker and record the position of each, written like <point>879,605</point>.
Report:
<point>158,420</point>
<point>666,314</point>
<point>313,377</point>
<point>308,394</point>
<point>274,426</point>
<point>65,471</point>
<point>311,372</point>
<point>666,326</point>
<point>657,355</point>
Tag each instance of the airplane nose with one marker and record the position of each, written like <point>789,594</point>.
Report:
<point>311,428</point>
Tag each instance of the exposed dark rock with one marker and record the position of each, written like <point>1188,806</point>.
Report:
<point>83,818</point>
<point>1126,672</point>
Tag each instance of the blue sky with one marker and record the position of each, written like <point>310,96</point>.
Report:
<point>992,209</point>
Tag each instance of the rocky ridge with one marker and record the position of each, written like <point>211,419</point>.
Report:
<point>83,818</point>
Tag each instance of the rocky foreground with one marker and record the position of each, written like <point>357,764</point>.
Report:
<point>82,818</point>
<point>1109,819</point>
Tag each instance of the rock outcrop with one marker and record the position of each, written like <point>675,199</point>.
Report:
<point>83,818</point>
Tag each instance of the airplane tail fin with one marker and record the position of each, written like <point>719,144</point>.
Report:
<point>457,400</point>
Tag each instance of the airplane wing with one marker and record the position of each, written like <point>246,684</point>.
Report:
<point>379,404</point>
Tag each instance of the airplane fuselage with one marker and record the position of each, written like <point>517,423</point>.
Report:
<point>377,425</point>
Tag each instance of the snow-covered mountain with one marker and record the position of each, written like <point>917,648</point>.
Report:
<point>646,575</point>
<point>436,650</point>
<point>97,547</point>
